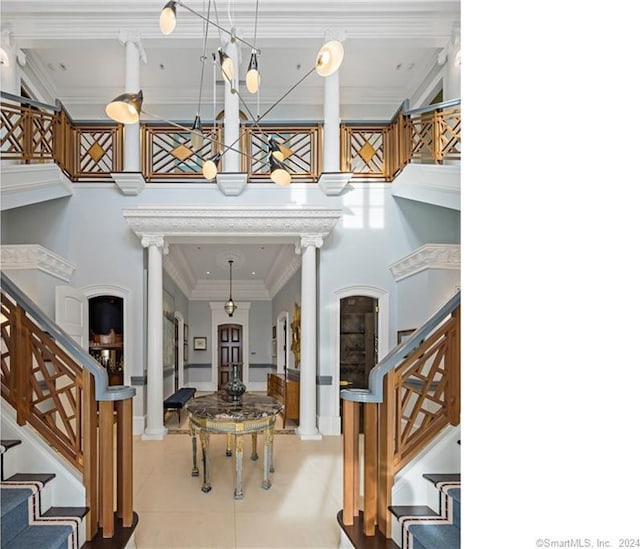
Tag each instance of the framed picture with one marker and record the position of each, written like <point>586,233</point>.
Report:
<point>403,335</point>
<point>273,332</point>
<point>199,343</point>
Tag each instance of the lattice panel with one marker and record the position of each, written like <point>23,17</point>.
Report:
<point>5,345</point>
<point>96,151</point>
<point>422,148</point>
<point>299,146</point>
<point>450,133</point>
<point>42,135</point>
<point>421,390</point>
<point>366,151</point>
<point>26,134</point>
<point>11,132</point>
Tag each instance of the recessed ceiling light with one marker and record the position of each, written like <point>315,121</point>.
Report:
<point>208,272</point>
<point>253,273</point>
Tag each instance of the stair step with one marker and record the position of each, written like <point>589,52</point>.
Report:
<point>63,512</point>
<point>356,536</point>
<point>31,477</point>
<point>400,511</point>
<point>5,444</point>
<point>436,478</point>
<point>432,536</point>
<point>121,536</point>
<point>44,537</point>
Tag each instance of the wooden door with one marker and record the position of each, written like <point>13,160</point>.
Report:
<point>229,350</point>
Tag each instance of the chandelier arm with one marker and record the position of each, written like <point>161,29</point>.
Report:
<point>208,20</point>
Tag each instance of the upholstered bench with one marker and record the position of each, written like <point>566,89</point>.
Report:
<point>178,399</point>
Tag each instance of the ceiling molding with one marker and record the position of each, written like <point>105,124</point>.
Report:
<point>170,266</point>
<point>34,256</point>
<point>285,266</point>
<point>218,290</point>
<point>429,256</point>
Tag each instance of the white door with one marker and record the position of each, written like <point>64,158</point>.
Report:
<point>72,314</point>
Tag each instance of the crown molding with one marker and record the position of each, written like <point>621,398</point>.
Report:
<point>218,290</point>
<point>285,266</point>
<point>429,256</point>
<point>176,273</point>
<point>34,256</point>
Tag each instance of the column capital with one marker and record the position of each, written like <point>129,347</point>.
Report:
<point>307,240</point>
<point>127,35</point>
<point>156,240</point>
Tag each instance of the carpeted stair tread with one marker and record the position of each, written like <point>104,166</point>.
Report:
<point>31,477</point>
<point>435,536</point>
<point>41,537</point>
<point>435,478</point>
<point>400,511</point>
<point>12,498</point>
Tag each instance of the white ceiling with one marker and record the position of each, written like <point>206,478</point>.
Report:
<point>73,50</point>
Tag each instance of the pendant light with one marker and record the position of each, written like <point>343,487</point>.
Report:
<point>230,306</point>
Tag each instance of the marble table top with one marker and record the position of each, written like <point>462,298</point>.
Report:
<point>222,407</point>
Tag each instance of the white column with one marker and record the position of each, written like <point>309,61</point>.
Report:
<point>308,429</point>
<point>133,54</point>
<point>10,78</point>
<point>154,429</point>
<point>231,160</point>
<point>331,133</point>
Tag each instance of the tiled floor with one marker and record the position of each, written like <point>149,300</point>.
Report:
<point>299,510</point>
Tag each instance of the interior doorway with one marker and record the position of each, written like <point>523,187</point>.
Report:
<point>229,350</point>
<point>358,340</point>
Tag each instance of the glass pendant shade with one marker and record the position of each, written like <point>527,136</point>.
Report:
<point>125,108</point>
<point>253,76</point>
<point>329,58</point>
<point>168,18</point>
<point>230,306</point>
<point>196,133</point>
<point>210,167</point>
<point>279,175</point>
<point>226,64</point>
<point>274,147</point>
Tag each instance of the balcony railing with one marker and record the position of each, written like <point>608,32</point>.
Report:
<point>33,132</point>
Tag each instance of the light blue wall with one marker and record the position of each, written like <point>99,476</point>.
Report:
<point>260,332</point>
<point>376,230</point>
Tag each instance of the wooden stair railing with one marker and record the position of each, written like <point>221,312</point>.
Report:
<point>414,393</point>
<point>33,132</point>
<point>63,393</point>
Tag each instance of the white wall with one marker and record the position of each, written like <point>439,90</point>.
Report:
<point>259,333</point>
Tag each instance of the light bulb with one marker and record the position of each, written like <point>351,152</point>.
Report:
<point>209,170</point>
<point>253,76</point>
<point>329,58</point>
<point>168,18</point>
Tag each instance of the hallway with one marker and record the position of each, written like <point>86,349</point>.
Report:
<point>299,510</point>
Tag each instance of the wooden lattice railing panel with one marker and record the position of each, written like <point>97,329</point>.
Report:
<point>435,136</point>
<point>299,145</point>
<point>27,134</point>
<point>98,152</point>
<point>364,151</point>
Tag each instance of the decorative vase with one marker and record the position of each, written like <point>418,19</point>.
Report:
<point>235,388</point>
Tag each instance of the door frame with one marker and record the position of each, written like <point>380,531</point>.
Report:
<point>241,316</point>
<point>383,336</point>
<point>283,347</point>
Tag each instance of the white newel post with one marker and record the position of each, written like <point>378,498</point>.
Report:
<point>308,429</point>
<point>155,429</point>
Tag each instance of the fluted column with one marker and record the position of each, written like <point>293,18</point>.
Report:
<point>308,429</point>
<point>154,429</point>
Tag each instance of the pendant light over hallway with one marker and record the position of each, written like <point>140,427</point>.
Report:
<point>230,307</point>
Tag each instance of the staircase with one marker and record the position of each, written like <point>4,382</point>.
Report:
<point>28,519</point>
<point>420,527</point>
<point>411,415</point>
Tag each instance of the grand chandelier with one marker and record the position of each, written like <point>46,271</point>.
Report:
<point>127,107</point>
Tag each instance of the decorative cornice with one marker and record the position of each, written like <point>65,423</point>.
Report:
<point>34,256</point>
<point>129,183</point>
<point>333,183</point>
<point>232,184</point>
<point>171,268</point>
<point>429,256</point>
<point>207,290</point>
<point>262,221</point>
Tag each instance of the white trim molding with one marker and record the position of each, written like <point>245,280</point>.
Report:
<point>32,183</point>
<point>429,256</point>
<point>288,221</point>
<point>34,256</point>
<point>232,183</point>
<point>129,183</point>
<point>333,183</point>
